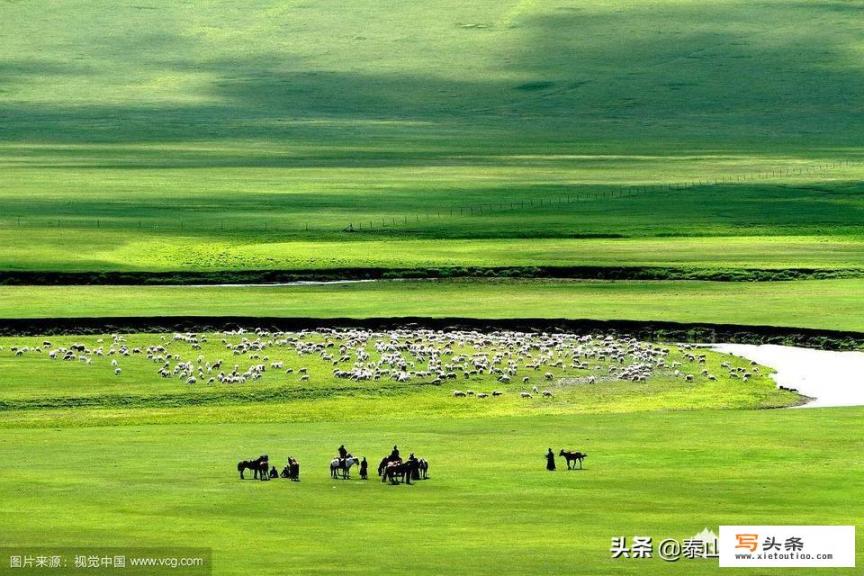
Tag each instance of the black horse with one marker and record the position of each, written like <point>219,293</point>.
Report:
<point>259,467</point>
<point>572,457</point>
<point>401,471</point>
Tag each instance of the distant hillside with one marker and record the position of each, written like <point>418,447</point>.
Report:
<point>704,73</point>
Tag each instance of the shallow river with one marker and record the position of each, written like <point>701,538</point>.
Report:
<point>831,378</point>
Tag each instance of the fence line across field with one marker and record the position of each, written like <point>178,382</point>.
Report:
<point>392,222</point>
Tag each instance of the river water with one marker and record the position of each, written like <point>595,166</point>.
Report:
<point>831,378</point>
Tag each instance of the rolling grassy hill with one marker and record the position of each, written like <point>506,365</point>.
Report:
<point>155,136</point>
<point>677,71</point>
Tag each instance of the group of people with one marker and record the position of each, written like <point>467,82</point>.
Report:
<point>391,467</point>
<point>341,465</point>
<point>291,471</point>
<point>263,471</point>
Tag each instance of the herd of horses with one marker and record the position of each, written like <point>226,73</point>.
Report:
<point>392,469</point>
<point>396,470</point>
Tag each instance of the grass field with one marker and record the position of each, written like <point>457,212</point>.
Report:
<point>489,507</point>
<point>160,146</point>
<point>657,73</point>
<point>823,304</point>
<point>223,136</point>
<point>35,379</point>
<point>129,251</point>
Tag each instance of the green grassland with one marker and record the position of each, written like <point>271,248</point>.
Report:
<point>821,304</point>
<point>188,136</point>
<point>32,379</point>
<point>597,72</point>
<point>225,137</point>
<point>489,507</point>
<point>132,251</point>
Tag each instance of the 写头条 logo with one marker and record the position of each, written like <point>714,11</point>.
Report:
<point>787,546</point>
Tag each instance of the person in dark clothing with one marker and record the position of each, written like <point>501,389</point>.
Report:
<point>415,470</point>
<point>343,453</point>
<point>550,461</point>
<point>274,473</point>
<point>364,469</point>
<point>394,455</point>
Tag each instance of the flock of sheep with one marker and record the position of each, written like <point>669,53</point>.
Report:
<point>522,363</point>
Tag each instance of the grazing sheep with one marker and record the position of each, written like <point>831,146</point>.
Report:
<point>525,395</point>
<point>402,355</point>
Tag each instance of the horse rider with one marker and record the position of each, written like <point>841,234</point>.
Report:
<point>343,453</point>
<point>364,469</point>
<point>394,455</point>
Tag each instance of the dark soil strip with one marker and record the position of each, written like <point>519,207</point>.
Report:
<point>47,278</point>
<point>643,330</point>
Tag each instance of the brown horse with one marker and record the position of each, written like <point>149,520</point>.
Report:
<point>259,466</point>
<point>572,457</point>
<point>397,472</point>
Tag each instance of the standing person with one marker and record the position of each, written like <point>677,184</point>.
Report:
<point>550,461</point>
<point>364,469</point>
<point>413,467</point>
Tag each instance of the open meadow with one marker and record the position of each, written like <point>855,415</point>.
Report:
<point>666,457</point>
<point>488,506</point>
<point>685,169</point>
<point>661,133</point>
<point>817,304</point>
